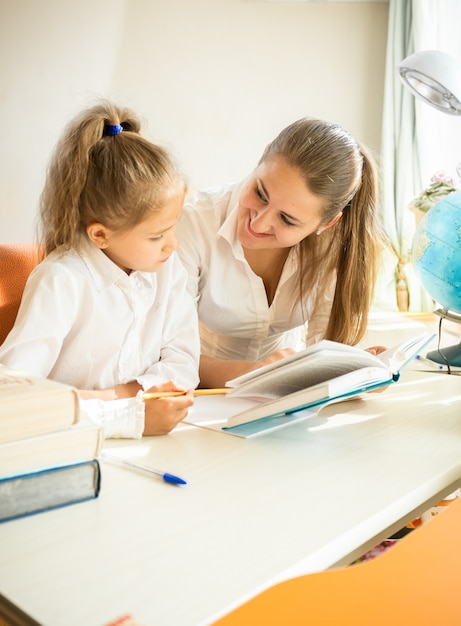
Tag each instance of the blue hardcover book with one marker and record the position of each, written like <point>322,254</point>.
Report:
<point>46,489</point>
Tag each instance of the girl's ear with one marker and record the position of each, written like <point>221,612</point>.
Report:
<point>98,234</point>
<point>332,222</point>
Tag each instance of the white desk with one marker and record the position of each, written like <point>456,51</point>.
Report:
<point>255,511</point>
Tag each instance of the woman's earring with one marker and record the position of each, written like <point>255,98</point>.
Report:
<point>317,232</point>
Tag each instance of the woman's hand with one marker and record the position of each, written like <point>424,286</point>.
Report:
<point>216,372</point>
<point>163,414</point>
<point>274,356</point>
<point>376,350</point>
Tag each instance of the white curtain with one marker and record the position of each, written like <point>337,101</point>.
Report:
<point>417,140</point>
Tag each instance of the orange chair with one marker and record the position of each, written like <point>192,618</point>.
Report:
<point>17,260</point>
<point>415,582</point>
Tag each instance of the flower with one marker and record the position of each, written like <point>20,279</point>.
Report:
<point>441,186</point>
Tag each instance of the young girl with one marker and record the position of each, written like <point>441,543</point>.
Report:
<point>287,256</point>
<point>107,310</point>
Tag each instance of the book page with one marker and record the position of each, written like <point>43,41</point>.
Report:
<point>397,357</point>
<point>217,412</point>
<point>341,387</point>
<point>300,374</point>
<point>303,354</point>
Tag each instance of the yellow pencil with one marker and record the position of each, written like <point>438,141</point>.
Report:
<point>171,394</point>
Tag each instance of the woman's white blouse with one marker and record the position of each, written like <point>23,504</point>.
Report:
<point>235,319</point>
<point>85,322</point>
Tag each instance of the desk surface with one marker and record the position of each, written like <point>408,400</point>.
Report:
<point>255,511</point>
<point>417,583</point>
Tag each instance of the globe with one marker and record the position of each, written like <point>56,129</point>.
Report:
<point>436,252</point>
<point>436,257</point>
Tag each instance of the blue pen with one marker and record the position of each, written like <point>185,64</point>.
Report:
<point>167,477</point>
<point>432,364</point>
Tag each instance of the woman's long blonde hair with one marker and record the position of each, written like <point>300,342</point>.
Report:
<point>95,176</point>
<point>336,168</point>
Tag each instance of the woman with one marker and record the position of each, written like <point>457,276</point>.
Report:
<point>287,257</point>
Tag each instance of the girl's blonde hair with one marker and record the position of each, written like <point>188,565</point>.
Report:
<point>112,179</point>
<point>336,168</point>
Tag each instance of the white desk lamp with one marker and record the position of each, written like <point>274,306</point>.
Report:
<point>435,77</point>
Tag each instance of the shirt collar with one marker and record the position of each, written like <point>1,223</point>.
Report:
<point>105,272</point>
<point>228,229</point>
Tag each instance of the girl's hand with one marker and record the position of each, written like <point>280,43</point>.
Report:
<point>163,414</point>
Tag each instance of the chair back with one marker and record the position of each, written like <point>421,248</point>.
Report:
<point>17,260</point>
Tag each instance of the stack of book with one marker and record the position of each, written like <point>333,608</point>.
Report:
<point>48,458</point>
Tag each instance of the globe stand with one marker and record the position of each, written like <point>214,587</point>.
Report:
<point>452,354</point>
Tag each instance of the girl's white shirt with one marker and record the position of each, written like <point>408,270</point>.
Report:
<point>236,321</point>
<point>85,322</point>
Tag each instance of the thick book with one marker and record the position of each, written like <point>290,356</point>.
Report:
<point>293,388</point>
<point>31,405</point>
<point>78,443</point>
<point>44,490</point>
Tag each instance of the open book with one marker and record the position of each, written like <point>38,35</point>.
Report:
<point>293,388</point>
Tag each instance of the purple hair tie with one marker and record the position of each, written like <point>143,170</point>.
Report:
<point>112,129</point>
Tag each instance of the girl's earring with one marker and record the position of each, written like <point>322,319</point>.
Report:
<point>317,232</point>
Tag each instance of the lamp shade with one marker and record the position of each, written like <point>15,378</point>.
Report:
<point>435,77</point>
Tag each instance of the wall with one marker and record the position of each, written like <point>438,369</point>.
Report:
<point>214,80</point>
